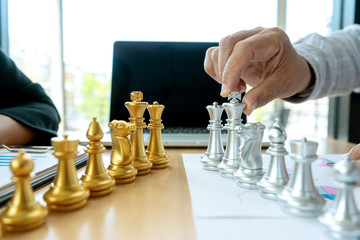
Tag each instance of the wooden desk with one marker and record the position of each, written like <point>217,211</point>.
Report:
<point>155,206</point>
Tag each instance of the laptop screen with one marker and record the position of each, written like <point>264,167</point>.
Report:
<point>171,73</point>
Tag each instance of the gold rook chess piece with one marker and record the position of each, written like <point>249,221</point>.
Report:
<point>23,212</point>
<point>136,109</point>
<point>156,152</point>
<point>121,167</point>
<point>96,178</point>
<point>66,193</point>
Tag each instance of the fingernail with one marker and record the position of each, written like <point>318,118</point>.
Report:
<point>224,90</point>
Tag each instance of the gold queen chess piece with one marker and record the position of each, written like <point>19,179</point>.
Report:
<point>156,152</point>
<point>23,212</point>
<point>66,193</point>
<point>121,167</point>
<point>136,110</point>
<point>96,178</point>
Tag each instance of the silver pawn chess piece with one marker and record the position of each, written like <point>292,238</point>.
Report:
<point>342,219</point>
<point>276,176</point>
<point>215,149</point>
<point>300,197</point>
<point>234,108</point>
<point>250,160</point>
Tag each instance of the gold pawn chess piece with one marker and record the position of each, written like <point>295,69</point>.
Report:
<point>136,109</point>
<point>155,151</point>
<point>23,212</point>
<point>121,167</point>
<point>96,178</point>
<point>66,193</point>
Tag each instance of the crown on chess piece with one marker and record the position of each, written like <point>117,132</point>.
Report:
<point>96,179</point>
<point>136,110</point>
<point>66,193</point>
<point>23,212</point>
<point>121,167</point>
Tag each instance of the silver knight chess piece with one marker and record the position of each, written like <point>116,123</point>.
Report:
<point>215,149</point>
<point>342,219</point>
<point>300,197</point>
<point>234,108</point>
<point>250,160</point>
<point>276,176</point>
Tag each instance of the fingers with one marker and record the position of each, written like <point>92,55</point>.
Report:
<point>209,64</point>
<point>355,153</point>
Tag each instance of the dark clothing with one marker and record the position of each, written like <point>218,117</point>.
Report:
<point>26,102</point>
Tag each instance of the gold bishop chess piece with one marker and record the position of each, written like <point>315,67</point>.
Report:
<point>121,167</point>
<point>136,110</point>
<point>156,152</point>
<point>96,178</point>
<point>23,212</point>
<point>66,193</point>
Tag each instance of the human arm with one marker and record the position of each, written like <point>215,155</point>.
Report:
<point>15,133</point>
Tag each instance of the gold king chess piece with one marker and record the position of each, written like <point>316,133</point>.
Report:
<point>23,212</point>
<point>156,152</point>
<point>66,193</point>
<point>121,167</point>
<point>136,109</point>
<point>96,178</point>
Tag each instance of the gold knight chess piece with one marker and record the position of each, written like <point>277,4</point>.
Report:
<point>136,110</point>
<point>66,193</point>
<point>23,212</point>
<point>96,178</point>
<point>155,151</point>
<point>121,167</point>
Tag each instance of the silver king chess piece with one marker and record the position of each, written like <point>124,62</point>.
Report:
<point>342,219</point>
<point>300,197</point>
<point>234,108</point>
<point>215,149</point>
<point>276,176</point>
<point>250,160</point>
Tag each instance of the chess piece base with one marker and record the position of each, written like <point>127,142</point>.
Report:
<point>125,180</point>
<point>210,164</point>
<point>248,178</point>
<point>65,208</point>
<point>101,193</point>
<point>269,187</point>
<point>143,165</point>
<point>25,227</point>
<point>158,158</point>
<point>160,166</point>
<point>98,185</point>
<point>143,172</point>
<point>227,168</point>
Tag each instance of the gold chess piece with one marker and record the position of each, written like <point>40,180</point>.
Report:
<point>96,178</point>
<point>156,152</point>
<point>121,167</point>
<point>23,212</point>
<point>136,109</point>
<point>66,193</point>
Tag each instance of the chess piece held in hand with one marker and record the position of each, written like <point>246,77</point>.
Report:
<point>276,176</point>
<point>22,212</point>
<point>136,110</point>
<point>342,219</point>
<point>121,167</point>
<point>66,193</point>
<point>96,178</point>
<point>215,150</point>
<point>156,151</point>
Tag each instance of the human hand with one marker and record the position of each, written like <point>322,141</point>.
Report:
<point>355,156</point>
<point>262,58</point>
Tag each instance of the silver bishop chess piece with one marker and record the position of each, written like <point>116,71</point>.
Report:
<point>342,219</point>
<point>300,197</point>
<point>276,176</point>
<point>215,149</point>
<point>234,108</point>
<point>250,169</point>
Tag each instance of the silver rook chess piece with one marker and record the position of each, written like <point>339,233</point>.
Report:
<point>234,108</point>
<point>300,197</point>
<point>250,160</point>
<point>276,176</point>
<point>342,219</point>
<point>215,149</point>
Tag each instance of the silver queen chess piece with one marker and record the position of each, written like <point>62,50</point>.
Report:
<point>276,176</point>
<point>234,108</point>
<point>342,219</point>
<point>215,149</point>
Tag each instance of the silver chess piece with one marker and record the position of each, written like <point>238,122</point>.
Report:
<point>234,108</point>
<point>300,197</point>
<point>342,219</point>
<point>250,159</point>
<point>276,176</point>
<point>215,149</point>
